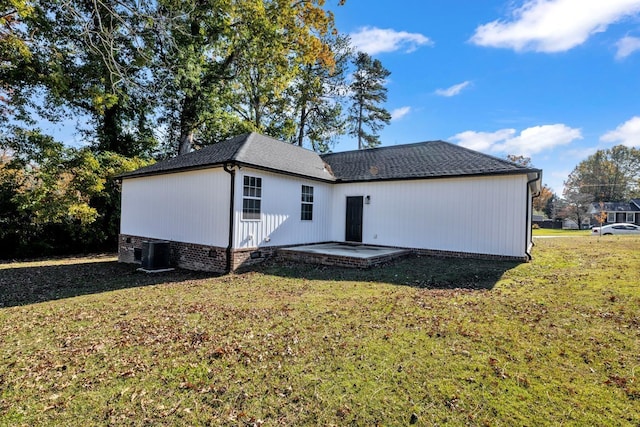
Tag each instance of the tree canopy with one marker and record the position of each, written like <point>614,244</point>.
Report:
<point>611,175</point>
<point>146,79</point>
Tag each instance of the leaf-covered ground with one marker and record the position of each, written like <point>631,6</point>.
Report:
<point>428,341</point>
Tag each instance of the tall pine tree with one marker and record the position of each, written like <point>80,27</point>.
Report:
<point>368,91</point>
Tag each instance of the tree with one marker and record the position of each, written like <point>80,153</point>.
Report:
<point>229,64</point>
<point>601,216</point>
<point>57,199</point>
<point>541,202</point>
<point>368,91</point>
<point>316,92</point>
<point>85,60</point>
<point>578,204</point>
<point>13,46</point>
<point>549,208</point>
<point>610,175</point>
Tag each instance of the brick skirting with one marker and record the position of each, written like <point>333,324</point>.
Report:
<point>468,255</point>
<point>192,256</point>
<point>197,257</point>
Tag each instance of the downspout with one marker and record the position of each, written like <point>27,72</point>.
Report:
<point>232,173</point>
<point>528,215</point>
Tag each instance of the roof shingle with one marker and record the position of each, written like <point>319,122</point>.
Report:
<point>420,160</point>
<point>411,161</point>
<point>251,149</point>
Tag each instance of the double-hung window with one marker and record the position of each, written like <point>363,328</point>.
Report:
<point>630,217</point>
<point>251,197</point>
<point>306,211</point>
<point>611,217</point>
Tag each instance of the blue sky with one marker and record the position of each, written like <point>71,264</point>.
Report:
<point>554,80</point>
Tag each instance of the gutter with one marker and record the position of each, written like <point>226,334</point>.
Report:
<point>232,173</point>
<point>528,215</point>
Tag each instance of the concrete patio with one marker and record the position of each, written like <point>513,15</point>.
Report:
<point>342,254</point>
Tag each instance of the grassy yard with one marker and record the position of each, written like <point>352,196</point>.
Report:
<point>560,232</point>
<point>422,341</point>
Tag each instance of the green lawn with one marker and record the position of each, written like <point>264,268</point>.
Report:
<point>431,341</point>
<point>560,232</point>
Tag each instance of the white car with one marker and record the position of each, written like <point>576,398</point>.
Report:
<point>621,228</point>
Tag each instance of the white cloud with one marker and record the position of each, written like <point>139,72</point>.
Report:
<point>553,25</point>
<point>627,133</point>
<point>399,113</point>
<point>626,46</point>
<point>530,141</point>
<point>482,141</point>
<point>453,90</point>
<point>374,40</point>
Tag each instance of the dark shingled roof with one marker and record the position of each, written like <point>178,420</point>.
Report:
<point>251,149</point>
<point>616,206</point>
<point>421,160</point>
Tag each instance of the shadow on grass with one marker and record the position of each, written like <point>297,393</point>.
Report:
<point>29,284</point>
<point>416,271</point>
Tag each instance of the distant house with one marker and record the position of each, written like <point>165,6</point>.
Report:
<point>569,224</point>
<point>628,212</point>
<point>239,201</point>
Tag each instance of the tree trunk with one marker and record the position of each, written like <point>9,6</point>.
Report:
<point>186,142</point>
<point>360,127</point>
<point>188,119</point>
<point>303,119</point>
<point>109,133</point>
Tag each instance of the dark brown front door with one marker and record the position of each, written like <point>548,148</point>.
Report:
<point>354,219</point>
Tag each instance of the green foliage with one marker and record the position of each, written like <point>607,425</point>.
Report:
<point>316,93</point>
<point>440,341</point>
<point>368,91</point>
<point>611,175</point>
<point>13,38</point>
<point>85,59</point>
<point>56,198</point>
<point>137,73</point>
<point>230,67</point>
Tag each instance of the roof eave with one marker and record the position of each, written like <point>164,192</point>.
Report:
<point>173,170</point>
<point>463,175</point>
<point>219,165</point>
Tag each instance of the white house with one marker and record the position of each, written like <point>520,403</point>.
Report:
<point>241,200</point>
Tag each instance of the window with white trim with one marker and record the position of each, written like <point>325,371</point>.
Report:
<point>631,217</point>
<point>251,197</point>
<point>611,217</point>
<point>306,209</point>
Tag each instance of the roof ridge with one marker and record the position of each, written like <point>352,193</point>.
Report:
<point>244,139</point>
<point>397,146</point>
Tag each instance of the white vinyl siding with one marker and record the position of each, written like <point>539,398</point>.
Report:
<point>191,207</point>
<point>280,222</point>
<point>484,215</point>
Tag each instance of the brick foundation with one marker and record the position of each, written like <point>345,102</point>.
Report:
<point>214,259</point>
<point>190,256</point>
<point>338,260</point>
<point>468,255</point>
